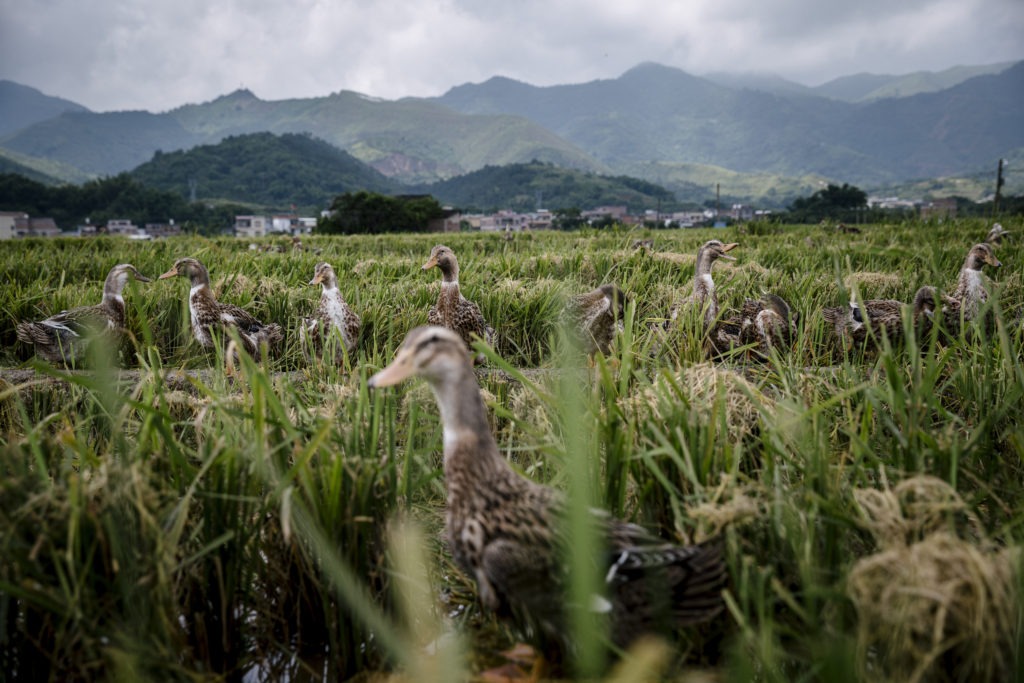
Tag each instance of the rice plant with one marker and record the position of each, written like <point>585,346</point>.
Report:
<point>162,520</point>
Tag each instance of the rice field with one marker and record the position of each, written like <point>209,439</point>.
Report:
<point>160,520</point>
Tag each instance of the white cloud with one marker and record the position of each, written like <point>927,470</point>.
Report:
<point>158,54</point>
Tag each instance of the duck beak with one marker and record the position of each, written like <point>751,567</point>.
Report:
<point>430,264</point>
<point>316,280</point>
<point>400,368</point>
<point>993,261</point>
<point>170,273</point>
<point>729,247</point>
<point>140,277</point>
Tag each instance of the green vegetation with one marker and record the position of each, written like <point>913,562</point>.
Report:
<point>268,170</point>
<point>111,198</point>
<point>367,212</point>
<point>166,522</point>
<point>518,186</point>
<point>609,126</point>
<point>833,202</point>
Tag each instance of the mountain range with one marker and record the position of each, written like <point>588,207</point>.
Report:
<point>654,122</point>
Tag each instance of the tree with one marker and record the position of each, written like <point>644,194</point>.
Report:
<point>835,202</point>
<point>567,219</point>
<point>368,212</point>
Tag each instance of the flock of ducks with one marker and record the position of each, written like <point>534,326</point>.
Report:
<point>503,529</point>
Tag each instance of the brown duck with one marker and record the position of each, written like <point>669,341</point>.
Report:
<point>996,234</point>
<point>65,337</point>
<point>453,310</point>
<point>966,300</point>
<point>762,323</point>
<point>866,322</point>
<point>596,316</point>
<point>333,317</point>
<point>767,323</point>
<point>504,530</point>
<point>209,315</point>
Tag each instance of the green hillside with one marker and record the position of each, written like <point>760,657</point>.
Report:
<point>411,140</point>
<point>519,186</point>
<point>22,106</point>
<point>101,144</point>
<point>651,117</point>
<point>698,183</point>
<point>41,170</point>
<point>865,87</point>
<point>654,113</point>
<point>265,169</point>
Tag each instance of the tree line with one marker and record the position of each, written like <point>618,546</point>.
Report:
<point>116,197</point>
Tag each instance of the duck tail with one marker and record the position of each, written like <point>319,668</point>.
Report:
<point>272,334</point>
<point>617,297</point>
<point>833,315</point>
<point>780,306</point>
<point>697,594</point>
<point>27,332</point>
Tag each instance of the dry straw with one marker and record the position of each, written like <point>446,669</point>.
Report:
<point>703,387</point>
<point>931,598</point>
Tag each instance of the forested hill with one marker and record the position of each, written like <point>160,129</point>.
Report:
<point>265,169</point>
<point>522,187</point>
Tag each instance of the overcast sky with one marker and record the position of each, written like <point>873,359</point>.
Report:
<point>159,54</point>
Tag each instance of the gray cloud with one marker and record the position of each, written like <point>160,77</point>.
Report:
<point>159,54</point>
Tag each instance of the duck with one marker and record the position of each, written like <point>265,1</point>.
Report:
<point>966,300</point>
<point>762,324</point>
<point>505,531</point>
<point>64,338</point>
<point>996,234</point>
<point>333,315</point>
<point>596,316</point>
<point>209,315</point>
<point>453,310</point>
<point>703,300</point>
<point>767,323</point>
<point>865,322</point>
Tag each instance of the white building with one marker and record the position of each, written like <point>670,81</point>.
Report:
<point>122,226</point>
<point>7,220</point>
<point>251,226</point>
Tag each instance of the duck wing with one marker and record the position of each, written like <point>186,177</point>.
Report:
<point>236,316</point>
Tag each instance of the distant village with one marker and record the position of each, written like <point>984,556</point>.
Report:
<point>14,224</point>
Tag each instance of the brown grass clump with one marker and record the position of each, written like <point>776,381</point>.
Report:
<point>875,285</point>
<point>731,504</point>
<point>932,605</point>
<point>232,284</point>
<point>676,258</point>
<point>703,388</point>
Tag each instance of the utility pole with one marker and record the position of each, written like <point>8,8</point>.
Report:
<point>999,189</point>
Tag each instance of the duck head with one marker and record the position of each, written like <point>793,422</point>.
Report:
<point>434,353</point>
<point>324,275</point>
<point>711,251</point>
<point>118,277</point>
<point>443,258</point>
<point>191,268</point>
<point>981,255</point>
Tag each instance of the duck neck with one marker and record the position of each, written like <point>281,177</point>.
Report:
<point>113,288</point>
<point>469,446</point>
<point>449,273</point>
<point>200,280</point>
<point>704,288</point>
<point>970,288</point>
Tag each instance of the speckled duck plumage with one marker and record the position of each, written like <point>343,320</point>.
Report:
<point>209,316</point>
<point>596,316</point>
<point>64,338</point>
<point>504,530</point>
<point>453,310</point>
<point>334,317</point>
